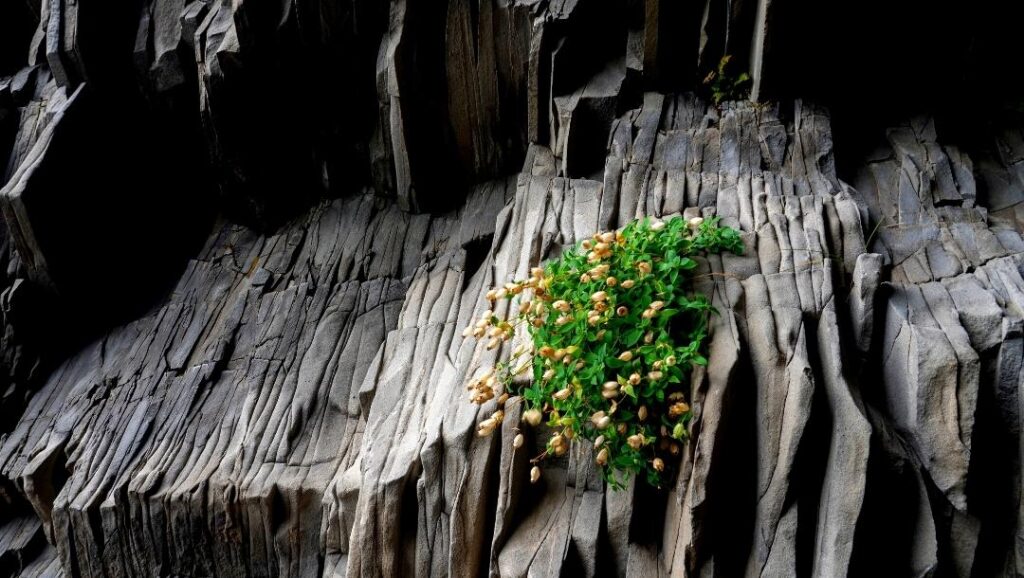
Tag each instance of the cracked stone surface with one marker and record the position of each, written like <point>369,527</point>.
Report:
<point>256,367</point>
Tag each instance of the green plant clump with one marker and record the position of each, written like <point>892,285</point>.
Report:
<point>615,331</point>
<point>724,86</point>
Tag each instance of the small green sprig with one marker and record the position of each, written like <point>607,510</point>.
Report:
<point>724,86</point>
<point>615,331</point>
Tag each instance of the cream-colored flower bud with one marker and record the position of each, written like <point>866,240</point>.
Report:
<point>658,464</point>
<point>657,305</point>
<point>655,375</point>
<point>635,441</point>
<point>611,281</point>
<point>670,360</point>
<point>602,457</point>
<point>598,296</point>
<point>486,427</point>
<point>492,295</point>
<point>533,417</point>
<point>534,475</point>
<point>626,356</point>
<point>597,415</point>
<point>585,278</point>
<point>677,409</point>
<point>610,393</point>
<point>603,423</point>
<point>622,311</point>
<point>549,374</point>
<point>610,385</point>
<point>562,394</point>
<point>634,379</point>
<point>641,413</point>
<point>608,237</point>
<point>517,442</point>
<point>628,284</point>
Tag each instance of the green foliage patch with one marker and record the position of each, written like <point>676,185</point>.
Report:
<point>724,86</point>
<point>616,330</point>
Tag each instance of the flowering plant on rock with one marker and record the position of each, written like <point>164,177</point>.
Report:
<point>615,331</point>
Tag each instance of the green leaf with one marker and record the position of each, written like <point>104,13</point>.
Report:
<point>632,337</point>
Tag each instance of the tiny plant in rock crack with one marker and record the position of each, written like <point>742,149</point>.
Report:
<point>724,86</point>
<point>615,331</point>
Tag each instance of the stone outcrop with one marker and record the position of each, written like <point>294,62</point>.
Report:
<point>232,336</point>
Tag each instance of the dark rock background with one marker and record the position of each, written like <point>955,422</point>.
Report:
<point>240,241</point>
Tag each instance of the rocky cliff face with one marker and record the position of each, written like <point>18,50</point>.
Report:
<point>241,240</point>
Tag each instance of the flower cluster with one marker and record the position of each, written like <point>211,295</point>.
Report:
<point>615,331</point>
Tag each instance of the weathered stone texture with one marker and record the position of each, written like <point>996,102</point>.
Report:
<point>288,400</point>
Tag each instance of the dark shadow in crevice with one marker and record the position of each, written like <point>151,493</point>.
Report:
<point>489,501</point>
<point>811,464</point>
<point>18,21</point>
<point>884,538</point>
<point>477,251</point>
<point>727,520</point>
<point>876,63</point>
<point>648,517</point>
<point>993,492</point>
